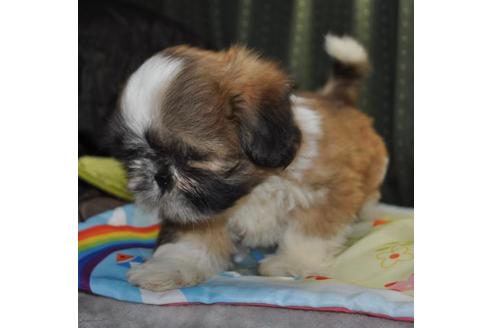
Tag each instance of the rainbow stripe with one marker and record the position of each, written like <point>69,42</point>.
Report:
<point>96,243</point>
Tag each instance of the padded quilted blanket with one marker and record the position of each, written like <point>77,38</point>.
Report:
<point>373,274</point>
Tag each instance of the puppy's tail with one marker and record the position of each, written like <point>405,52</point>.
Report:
<point>350,66</point>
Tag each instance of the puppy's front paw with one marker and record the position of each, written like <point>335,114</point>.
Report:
<point>283,265</point>
<point>160,275</point>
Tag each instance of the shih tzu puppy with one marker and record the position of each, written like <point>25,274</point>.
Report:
<point>221,147</point>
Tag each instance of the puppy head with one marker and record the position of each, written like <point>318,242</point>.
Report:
<point>198,129</point>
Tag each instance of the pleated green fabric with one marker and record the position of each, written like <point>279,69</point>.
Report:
<point>291,31</point>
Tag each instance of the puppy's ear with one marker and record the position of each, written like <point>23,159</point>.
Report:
<point>268,133</point>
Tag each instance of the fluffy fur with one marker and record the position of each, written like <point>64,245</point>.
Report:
<point>302,255</point>
<point>219,145</point>
<point>345,49</point>
<point>181,263</point>
<point>141,101</point>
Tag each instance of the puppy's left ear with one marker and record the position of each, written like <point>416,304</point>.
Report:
<point>268,133</point>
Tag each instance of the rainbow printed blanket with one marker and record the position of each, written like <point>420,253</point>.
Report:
<point>373,275</point>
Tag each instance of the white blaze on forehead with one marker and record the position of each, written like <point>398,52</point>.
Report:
<point>145,88</point>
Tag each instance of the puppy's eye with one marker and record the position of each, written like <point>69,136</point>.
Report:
<point>193,154</point>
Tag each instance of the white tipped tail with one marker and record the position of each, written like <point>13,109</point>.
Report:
<point>350,66</point>
<point>345,49</point>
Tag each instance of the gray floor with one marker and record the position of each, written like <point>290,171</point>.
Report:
<point>101,312</point>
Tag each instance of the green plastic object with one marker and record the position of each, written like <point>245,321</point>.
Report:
<point>105,173</point>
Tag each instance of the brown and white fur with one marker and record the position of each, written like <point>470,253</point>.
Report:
<point>221,147</point>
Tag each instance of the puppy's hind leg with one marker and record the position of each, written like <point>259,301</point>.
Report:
<point>302,254</point>
<point>188,256</point>
<point>315,235</point>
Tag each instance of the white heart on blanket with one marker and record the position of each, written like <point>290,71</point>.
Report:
<point>118,218</point>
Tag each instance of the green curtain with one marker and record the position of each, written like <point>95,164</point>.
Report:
<point>292,31</point>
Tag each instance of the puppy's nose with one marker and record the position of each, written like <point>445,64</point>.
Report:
<point>163,181</point>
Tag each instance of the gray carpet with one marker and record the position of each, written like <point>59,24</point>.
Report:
<point>99,312</point>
